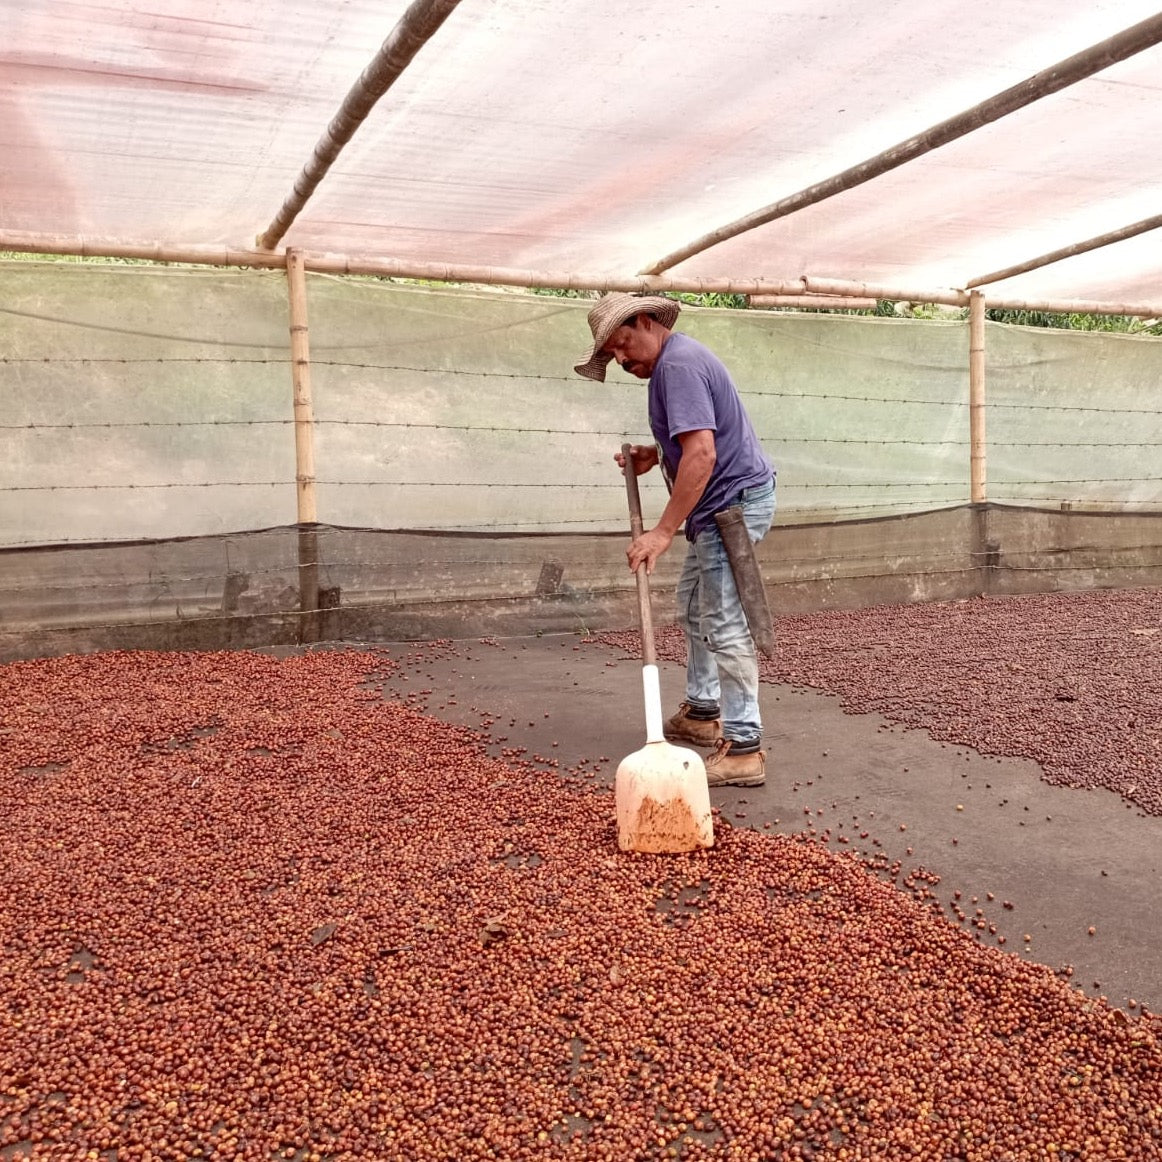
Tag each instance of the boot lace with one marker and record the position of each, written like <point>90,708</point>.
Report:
<point>721,750</point>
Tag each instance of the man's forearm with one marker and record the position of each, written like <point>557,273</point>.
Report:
<point>694,471</point>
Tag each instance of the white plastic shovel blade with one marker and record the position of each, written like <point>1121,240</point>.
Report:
<point>663,802</point>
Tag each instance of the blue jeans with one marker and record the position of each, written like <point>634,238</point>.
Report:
<point>722,668</point>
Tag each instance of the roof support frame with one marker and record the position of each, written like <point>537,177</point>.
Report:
<point>384,267</point>
<point>415,28</point>
<point>1131,231</point>
<point>1053,79</point>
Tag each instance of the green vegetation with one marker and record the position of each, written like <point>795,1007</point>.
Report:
<point>1123,324</point>
<point>96,259</point>
<point>1130,324</point>
<point>889,308</point>
<point>734,302</point>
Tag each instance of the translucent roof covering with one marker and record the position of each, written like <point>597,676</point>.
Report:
<point>596,135</point>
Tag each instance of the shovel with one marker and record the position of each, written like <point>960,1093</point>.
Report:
<point>663,802</point>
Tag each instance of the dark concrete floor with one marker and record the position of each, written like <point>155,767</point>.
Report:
<point>1065,861</point>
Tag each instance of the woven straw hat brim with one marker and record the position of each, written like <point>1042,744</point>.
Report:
<point>609,314</point>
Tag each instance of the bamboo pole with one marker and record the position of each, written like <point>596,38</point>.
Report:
<point>321,262</point>
<point>813,302</point>
<point>415,28</point>
<point>301,376</point>
<point>1073,306</point>
<point>976,399</point>
<point>1113,236</point>
<point>1042,84</point>
<point>324,263</point>
<point>86,246</point>
<point>307,513</point>
<point>946,296</point>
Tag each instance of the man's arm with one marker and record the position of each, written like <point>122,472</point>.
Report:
<point>699,456</point>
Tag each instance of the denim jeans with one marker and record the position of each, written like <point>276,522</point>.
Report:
<point>722,669</point>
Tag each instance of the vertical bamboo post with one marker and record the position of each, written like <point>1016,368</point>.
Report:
<point>976,398</point>
<point>307,514</point>
<point>982,557</point>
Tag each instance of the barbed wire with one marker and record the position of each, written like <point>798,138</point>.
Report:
<point>961,401</point>
<point>1072,443</point>
<point>289,421</point>
<point>282,360</point>
<point>509,374</point>
<point>285,361</point>
<point>800,486</point>
<point>510,429</point>
<point>145,424</point>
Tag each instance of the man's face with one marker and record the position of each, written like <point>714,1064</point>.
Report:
<point>635,348</point>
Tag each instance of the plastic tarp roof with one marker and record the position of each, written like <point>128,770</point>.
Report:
<point>594,135</point>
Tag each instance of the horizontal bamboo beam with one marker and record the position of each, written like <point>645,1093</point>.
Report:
<point>813,302</point>
<point>416,27</point>
<point>512,276</point>
<point>1113,236</point>
<point>947,296</point>
<point>86,246</point>
<point>1074,307</point>
<point>1076,68</point>
<point>81,246</point>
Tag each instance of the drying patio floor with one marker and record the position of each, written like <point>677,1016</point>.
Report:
<point>1064,877</point>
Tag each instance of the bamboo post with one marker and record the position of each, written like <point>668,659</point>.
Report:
<point>976,397</point>
<point>307,514</point>
<point>983,553</point>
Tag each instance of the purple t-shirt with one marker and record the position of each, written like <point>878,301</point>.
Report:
<point>690,390</point>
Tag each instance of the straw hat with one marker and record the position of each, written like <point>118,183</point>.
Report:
<point>610,312</point>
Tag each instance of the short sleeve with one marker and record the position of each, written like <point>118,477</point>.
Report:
<point>688,401</point>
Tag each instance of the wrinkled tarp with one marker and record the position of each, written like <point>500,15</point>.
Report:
<point>594,136</point>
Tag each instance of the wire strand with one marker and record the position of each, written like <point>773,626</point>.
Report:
<point>508,374</point>
<point>512,429</point>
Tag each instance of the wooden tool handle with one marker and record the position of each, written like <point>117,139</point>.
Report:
<point>645,616</point>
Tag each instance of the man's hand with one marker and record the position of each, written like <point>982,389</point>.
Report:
<point>647,549</point>
<point>644,456</point>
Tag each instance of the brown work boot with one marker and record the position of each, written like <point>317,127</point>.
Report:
<point>693,731</point>
<point>724,769</point>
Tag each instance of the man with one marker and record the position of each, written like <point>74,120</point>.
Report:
<point>712,459</point>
